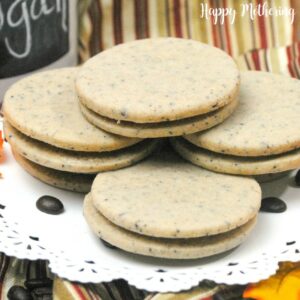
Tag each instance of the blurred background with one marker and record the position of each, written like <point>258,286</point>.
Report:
<point>35,35</point>
<point>262,42</point>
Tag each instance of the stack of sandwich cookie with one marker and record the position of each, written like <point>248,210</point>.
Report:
<point>165,207</point>
<point>260,137</point>
<point>53,141</point>
<point>158,88</point>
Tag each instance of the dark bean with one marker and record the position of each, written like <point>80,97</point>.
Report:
<point>50,205</point>
<point>17,292</point>
<point>38,283</point>
<point>41,292</point>
<point>108,245</point>
<point>273,204</point>
<point>297,178</point>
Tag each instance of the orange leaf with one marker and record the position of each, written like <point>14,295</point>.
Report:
<point>1,140</point>
<point>285,284</point>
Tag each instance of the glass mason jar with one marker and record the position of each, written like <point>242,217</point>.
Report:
<point>35,35</point>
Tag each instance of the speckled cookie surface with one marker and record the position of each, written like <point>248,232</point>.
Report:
<point>44,106</point>
<point>156,80</point>
<point>68,181</point>
<point>74,161</point>
<point>166,197</point>
<point>162,129</point>
<point>236,164</point>
<point>266,121</point>
<point>161,247</point>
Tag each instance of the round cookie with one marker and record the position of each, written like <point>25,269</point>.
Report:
<point>236,164</point>
<point>76,162</point>
<point>161,247</point>
<point>163,129</point>
<point>157,80</point>
<point>266,121</point>
<point>44,106</point>
<point>166,197</point>
<point>68,181</point>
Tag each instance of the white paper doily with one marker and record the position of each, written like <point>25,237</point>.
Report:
<point>76,254</point>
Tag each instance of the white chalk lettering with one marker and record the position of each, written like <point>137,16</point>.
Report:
<point>47,10</point>
<point>1,17</point>
<point>64,15</point>
<point>34,12</point>
<point>21,14</point>
<point>23,19</point>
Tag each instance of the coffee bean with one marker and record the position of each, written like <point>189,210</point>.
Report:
<point>17,292</point>
<point>50,205</point>
<point>38,283</point>
<point>108,245</point>
<point>42,292</point>
<point>273,204</point>
<point>297,178</point>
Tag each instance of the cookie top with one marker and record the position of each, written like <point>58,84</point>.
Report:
<point>44,106</point>
<point>167,197</point>
<point>156,80</point>
<point>161,247</point>
<point>266,121</point>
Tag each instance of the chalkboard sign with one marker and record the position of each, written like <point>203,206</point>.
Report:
<point>33,34</point>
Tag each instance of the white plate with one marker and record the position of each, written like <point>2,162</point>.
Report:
<point>76,254</point>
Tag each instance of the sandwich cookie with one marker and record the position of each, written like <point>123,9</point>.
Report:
<point>45,107</point>
<point>260,137</point>
<point>162,129</point>
<point>75,161</point>
<point>64,180</point>
<point>241,165</point>
<point>155,84</point>
<point>162,247</point>
<point>266,121</point>
<point>174,204</point>
<point>43,123</point>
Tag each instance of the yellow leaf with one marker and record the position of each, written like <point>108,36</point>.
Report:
<point>284,285</point>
